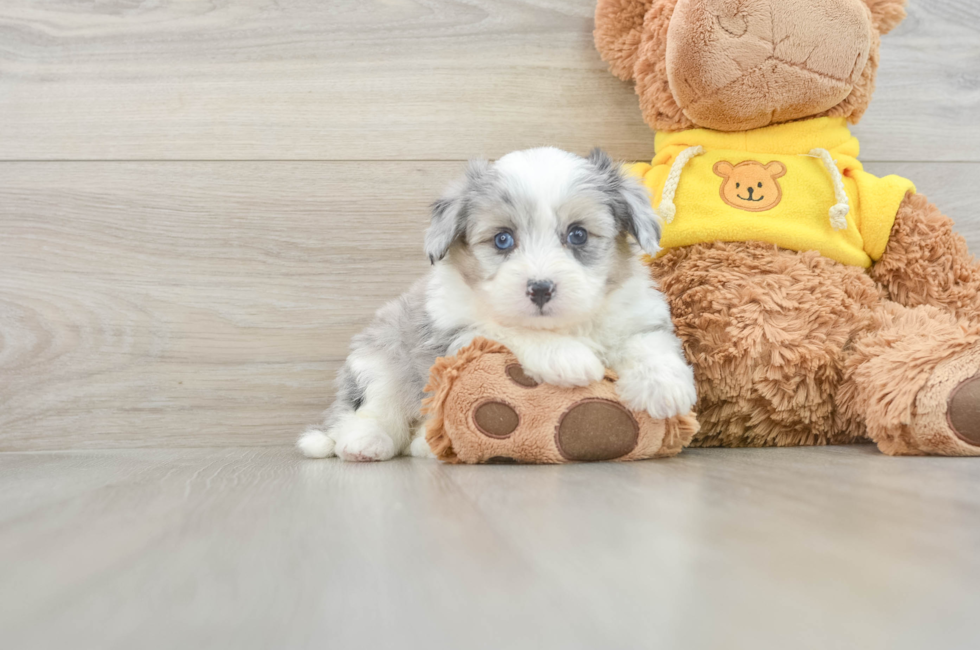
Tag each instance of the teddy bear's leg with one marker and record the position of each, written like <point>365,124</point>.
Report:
<point>927,263</point>
<point>767,331</point>
<point>915,383</point>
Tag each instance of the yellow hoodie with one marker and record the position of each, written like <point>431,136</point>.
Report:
<point>798,185</point>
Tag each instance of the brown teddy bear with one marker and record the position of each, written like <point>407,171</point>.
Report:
<point>818,303</point>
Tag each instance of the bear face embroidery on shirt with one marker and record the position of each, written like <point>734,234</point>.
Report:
<point>750,185</point>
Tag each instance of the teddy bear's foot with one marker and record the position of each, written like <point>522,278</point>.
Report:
<point>963,412</point>
<point>947,411</point>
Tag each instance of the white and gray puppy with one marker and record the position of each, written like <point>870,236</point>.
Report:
<point>534,251</point>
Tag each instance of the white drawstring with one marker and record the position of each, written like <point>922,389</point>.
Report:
<point>838,213</point>
<point>667,209</point>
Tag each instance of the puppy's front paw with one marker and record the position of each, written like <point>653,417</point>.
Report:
<point>565,364</point>
<point>663,391</point>
<point>362,440</point>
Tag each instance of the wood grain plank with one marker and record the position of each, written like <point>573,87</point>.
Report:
<point>133,294</point>
<point>805,548</point>
<point>202,304</point>
<point>928,87</point>
<point>346,79</point>
<point>765,548</point>
<point>394,79</point>
<point>259,549</point>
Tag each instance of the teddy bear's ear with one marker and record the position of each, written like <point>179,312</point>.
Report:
<point>887,14</point>
<point>776,169</point>
<point>618,31</point>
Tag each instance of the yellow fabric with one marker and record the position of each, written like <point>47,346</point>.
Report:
<point>800,220</point>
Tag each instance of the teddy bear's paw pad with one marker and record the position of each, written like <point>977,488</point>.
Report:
<point>596,429</point>
<point>518,376</point>
<point>501,460</point>
<point>963,411</point>
<point>496,419</point>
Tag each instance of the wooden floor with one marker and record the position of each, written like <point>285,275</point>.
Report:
<point>256,548</point>
<point>201,201</point>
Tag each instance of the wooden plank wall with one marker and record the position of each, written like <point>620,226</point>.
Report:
<point>200,201</point>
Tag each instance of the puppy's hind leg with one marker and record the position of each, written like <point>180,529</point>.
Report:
<point>318,442</point>
<point>362,437</point>
<point>374,411</point>
<point>351,435</point>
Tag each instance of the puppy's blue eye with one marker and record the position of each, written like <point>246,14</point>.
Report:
<point>577,236</point>
<point>504,241</point>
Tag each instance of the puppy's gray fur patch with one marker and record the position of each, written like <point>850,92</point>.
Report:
<point>403,335</point>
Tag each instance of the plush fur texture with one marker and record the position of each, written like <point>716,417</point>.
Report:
<point>619,29</point>
<point>927,262</point>
<point>775,72</point>
<point>886,14</point>
<point>535,251</point>
<point>928,428</point>
<point>766,330</point>
<point>888,368</point>
<point>478,374</point>
<point>660,108</point>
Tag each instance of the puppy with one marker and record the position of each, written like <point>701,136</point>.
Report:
<point>536,251</point>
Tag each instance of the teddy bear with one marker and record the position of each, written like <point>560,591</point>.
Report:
<point>817,303</point>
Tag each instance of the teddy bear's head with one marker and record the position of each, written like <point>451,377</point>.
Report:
<point>734,65</point>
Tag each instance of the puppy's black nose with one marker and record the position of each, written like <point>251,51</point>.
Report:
<point>540,291</point>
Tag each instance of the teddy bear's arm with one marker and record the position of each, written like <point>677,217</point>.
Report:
<point>926,262</point>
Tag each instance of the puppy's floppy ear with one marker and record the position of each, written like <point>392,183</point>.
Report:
<point>886,14</point>
<point>629,201</point>
<point>451,211</point>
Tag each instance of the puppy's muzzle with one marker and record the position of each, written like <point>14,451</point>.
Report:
<point>540,291</point>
